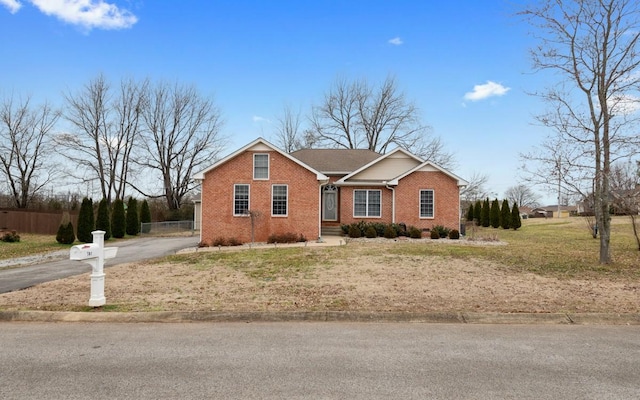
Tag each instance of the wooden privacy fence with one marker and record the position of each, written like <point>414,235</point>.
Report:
<point>29,221</point>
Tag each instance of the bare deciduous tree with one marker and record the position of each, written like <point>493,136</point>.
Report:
<point>356,115</point>
<point>288,135</point>
<point>181,135</point>
<point>522,195</point>
<point>593,45</point>
<point>476,188</point>
<point>25,150</point>
<point>625,192</point>
<point>105,129</point>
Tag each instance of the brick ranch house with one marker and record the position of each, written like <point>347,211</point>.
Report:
<point>313,191</point>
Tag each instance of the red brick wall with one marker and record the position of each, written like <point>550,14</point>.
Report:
<point>346,205</point>
<point>217,200</point>
<point>446,200</point>
<point>407,193</point>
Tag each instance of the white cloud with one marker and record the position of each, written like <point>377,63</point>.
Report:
<point>624,105</point>
<point>396,41</point>
<point>489,89</point>
<point>88,14</point>
<point>12,5</point>
<point>257,118</point>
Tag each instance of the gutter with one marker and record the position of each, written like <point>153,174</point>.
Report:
<point>393,201</point>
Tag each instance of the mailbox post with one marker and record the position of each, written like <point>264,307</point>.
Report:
<point>94,254</point>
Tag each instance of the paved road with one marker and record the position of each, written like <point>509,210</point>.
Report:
<point>318,360</point>
<point>128,251</point>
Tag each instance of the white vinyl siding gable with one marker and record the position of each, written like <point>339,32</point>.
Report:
<point>261,166</point>
<point>427,203</point>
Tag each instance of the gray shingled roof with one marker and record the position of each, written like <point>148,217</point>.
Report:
<point>341,161</point>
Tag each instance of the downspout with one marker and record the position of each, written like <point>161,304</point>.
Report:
<point>322,183</point>
<point>393,202</point>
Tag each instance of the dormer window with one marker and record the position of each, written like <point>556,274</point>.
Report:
<point>261,166</point>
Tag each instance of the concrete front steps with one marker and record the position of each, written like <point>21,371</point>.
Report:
<point>331,231</point>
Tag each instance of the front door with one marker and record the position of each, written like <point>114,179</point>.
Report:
<point>330,203</point>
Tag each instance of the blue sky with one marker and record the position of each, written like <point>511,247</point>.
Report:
<point>464,63</point>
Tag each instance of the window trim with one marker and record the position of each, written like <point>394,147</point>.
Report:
<point>235,199</point>
<point>286,200</point>
<point>255,155</point>
<point>367,203</point>
<point>433,204</point>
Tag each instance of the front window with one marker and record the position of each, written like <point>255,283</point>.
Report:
<point>426,203</point>
<point>261,166</point>
<point>240,199</point>
<point>367,203</point>
<point>279,200</point>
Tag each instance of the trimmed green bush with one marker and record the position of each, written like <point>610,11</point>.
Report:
<point>434,234</point>
<point>118,219</point>
<point>485,219</point>
<point>9,237</point>
<point>415,233</point>
<point>86,223</point>
<point>454,234</point>
<point>145,216</point>
<point>505,215</point>
<point>288,237</point>
<point>354,231</point>
<point>370,232</point>
<point>495,213</point>
<point>477,213</point>
<point>515,217</point>
<point>470,213</point>
<point>133,222</point>
<point>390,232</point>
<point>102,220</point>
<point>441,230</point>
<point>65,234</point>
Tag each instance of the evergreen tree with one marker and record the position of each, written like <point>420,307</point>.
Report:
<point>145,215</point>
<point>515,217</point>
<point>86,221</point>
<point>505,215</point>
<point>495,213</point>
<point>133,225</point>
<point>470,213</point>
<point>486,213</point>
<point>118,219</point>
<point>102,220</point>
<point>65,233</point>
<point>477,212</point>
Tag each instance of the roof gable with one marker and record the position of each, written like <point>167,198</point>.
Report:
<point>335,161</point>
<point>385,167</point>
<point>257,145</point>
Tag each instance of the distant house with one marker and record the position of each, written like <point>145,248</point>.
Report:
<point>553,212</point>
<point>262,188</point>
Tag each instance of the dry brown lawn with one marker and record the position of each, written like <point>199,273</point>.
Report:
<point>370,276</point>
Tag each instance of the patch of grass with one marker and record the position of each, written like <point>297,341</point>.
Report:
<point>263,264</point>
<point>30,244</point>
<point>560,248</point>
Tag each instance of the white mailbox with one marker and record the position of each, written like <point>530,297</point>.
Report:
<point>84,251</point>
<point>94,254</point>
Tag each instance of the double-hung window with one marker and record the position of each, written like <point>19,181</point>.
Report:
<point>240,199</point>
<point>279,200</point>
<point>367,203</point>
<point>261,166</point>
<point>426,203</point>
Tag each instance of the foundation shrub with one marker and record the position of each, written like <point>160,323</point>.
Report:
<point>454,234</point>
<point>370,232</point>
<point>414,233</point>
<point>435,234</point>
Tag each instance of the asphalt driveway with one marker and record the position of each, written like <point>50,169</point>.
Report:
<point>58,265</point>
